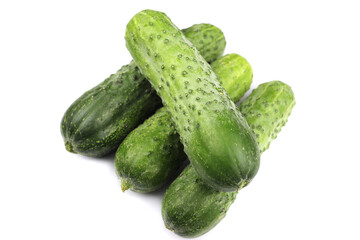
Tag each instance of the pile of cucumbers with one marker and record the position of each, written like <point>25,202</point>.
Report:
<point>174,102</point>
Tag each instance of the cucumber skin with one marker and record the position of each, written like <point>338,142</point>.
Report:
<point>211,46</point>
<point>277,102</point>
<point>151,155</point>
<point>216,137</point>
<point>190,208</point>
<point>97,122</point>
<point>238,68</point>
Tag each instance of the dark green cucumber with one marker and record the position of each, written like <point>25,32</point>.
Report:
<point>100,119</point>
<point>151,155</point>
<point>97,122</point>
<point>216,137</point>
<point>190,207</point>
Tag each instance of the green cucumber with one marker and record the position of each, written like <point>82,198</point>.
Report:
<point>207,39</point>
<point>151,155</point>
<point>190,207</point>
<point>216,137</point>
<point>235,75</point>
<point>97,122</point>
<point>267,110</point>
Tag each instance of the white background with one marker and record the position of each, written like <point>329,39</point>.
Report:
<point>53,51</point>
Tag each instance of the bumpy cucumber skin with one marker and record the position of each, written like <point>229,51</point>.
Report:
<point>216,137</point>
<point>237,68</point>
<point>277,101</point>
<point>148,166</point>
<point>190,208</point>
<point>151,155</point>
<point>97,122</point>
<point>211,45</point>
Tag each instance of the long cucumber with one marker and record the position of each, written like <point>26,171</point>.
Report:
<point>216,137</point>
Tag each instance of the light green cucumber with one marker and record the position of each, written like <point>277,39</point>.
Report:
<point>267,110</point>
<point>151,155</point>
<point>97,122</point>
<point>190,207</point>
<point>216,137</point>
<point>207,39</point>
<point>241,75</point>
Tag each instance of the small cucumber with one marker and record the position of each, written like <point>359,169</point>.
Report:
<point>267,110</point>
<point>151,155</point>
<point>190,207</point>
<point>216,137</point>
<point>235,75</point>
<point>207,39</point>
<point>97,122</point>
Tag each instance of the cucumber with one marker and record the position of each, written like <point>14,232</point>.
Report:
<point>97,122</point>
<point>207,39</point>
<point>190,207</point>
<point>235,75</point>
<point>216,137</point>
<point>267,110</point>
<point>151,155</point>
